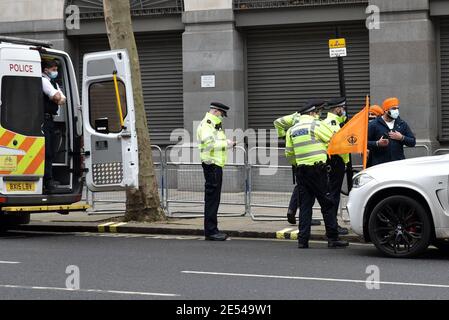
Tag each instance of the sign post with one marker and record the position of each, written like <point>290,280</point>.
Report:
<point>337,49</point>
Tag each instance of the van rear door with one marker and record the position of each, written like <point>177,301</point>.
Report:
<point>110,139</point>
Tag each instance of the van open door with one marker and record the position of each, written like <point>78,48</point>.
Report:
<point>110,139</point>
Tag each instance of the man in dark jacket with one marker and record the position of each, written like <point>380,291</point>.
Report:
<point>388,134</point>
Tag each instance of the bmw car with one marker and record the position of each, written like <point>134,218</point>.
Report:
<point>402,207</point>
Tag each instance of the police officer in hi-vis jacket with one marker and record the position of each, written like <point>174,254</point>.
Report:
<point>282,125</point>
<point>306,146</point>
<point>213,147</point>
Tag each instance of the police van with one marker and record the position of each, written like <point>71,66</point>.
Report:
<point>96,141</point>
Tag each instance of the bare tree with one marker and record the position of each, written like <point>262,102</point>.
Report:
<point>142,204</point>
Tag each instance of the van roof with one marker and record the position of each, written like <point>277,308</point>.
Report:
<point>23,41</point>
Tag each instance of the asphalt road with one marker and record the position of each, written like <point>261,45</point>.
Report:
<point>33,266</point>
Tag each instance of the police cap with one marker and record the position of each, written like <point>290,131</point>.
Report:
<point>337,102</point>
<point>220,106</point>
<point>312,105</point>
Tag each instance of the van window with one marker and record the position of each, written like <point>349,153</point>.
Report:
<point>103,104</point>
<point>22,105</point>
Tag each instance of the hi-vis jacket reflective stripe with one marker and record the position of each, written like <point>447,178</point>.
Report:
<point>284,123</point>
<point>212,141</point>
<point>306,142</point>
<point>26,154</point>
<point>334,121</point>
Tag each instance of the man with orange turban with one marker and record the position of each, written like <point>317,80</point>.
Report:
<point>388,134</point>
<point>375,111</point>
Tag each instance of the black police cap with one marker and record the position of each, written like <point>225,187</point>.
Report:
<point>312,105</point>
<point>220,106</point>
<point>337,102</point>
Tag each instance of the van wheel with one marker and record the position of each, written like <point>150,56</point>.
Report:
<point>8,221</point>
<point>399,227</point>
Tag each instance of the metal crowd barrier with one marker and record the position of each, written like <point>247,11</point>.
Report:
<point>184,183</point>
<point>181,185</point>
<point>271,191</point>
<point>441,151</point>
<point>106,202</point>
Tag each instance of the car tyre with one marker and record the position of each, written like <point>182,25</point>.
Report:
<point>399,227</point>
<point>442,245</point>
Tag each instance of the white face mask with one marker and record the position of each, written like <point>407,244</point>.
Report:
<point>53,74</point>
<point>394,114</point>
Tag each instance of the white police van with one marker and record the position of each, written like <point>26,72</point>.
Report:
<point>96,141</point>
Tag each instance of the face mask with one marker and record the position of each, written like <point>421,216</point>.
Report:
<point>394,114</point>
<point>343,114</point>
<point>220,116</point>
<point>53,74</point>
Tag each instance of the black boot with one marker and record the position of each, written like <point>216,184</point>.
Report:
<point>342,231</point>
<point>337,243</point>
<point>217,237</point>
<point>291,218</point>
<point>303,245</point>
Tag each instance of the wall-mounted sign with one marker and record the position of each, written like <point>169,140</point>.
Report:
<point>337,48</point>
<point>208,81</point>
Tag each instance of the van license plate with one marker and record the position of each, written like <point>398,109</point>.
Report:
<point>20,186</point>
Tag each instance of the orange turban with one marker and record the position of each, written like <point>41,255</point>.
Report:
<point>376,110</point>
<point>390,103</point>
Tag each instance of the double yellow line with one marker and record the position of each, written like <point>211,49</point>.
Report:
<point>110,226</point>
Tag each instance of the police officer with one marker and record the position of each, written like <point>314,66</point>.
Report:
<point>282,125</point>
<point>336,118</point>
<point>53,98</point>
<point>213,147</point>
<point>306,145</point>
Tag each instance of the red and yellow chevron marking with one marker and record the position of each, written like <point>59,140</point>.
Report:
<point>33,162</point>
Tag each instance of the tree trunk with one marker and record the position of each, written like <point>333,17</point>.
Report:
<point>142,204</point>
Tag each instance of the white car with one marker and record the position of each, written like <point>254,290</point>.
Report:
<point>402,206</point>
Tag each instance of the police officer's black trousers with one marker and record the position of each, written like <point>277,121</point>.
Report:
<point>337,176</point>
<point>294,200</point>
<point>212,194</point>
<point>49,133</point>
<point>313,183</point>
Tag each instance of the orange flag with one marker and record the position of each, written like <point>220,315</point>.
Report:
<point>353,137</point>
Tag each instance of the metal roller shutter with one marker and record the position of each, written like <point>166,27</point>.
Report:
<point>444,63</point>
<point>287,66</point>
<point>161,66</point>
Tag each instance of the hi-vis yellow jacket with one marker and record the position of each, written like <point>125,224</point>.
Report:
<point>306,142</point>
<point>334,121</point>
<point>284,123</point>
<point>212,141</point>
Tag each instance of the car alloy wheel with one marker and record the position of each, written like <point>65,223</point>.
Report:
<point>399,227</point>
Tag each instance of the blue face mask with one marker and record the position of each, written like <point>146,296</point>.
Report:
<point>394,114</point>
<point>53,74</point>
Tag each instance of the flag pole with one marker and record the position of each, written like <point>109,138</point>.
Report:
<point>365,153</point>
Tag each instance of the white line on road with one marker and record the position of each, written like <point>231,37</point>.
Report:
<point>317,279</point>
<point>9,262</point>
<point>90,290</point>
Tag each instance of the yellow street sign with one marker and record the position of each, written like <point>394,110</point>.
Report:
<point>337,43</point>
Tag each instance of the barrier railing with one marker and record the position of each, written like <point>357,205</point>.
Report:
<point>441,151</point>
<point>107,202</point>
<point>270,191</point>
<point>246,189</point>
<point>184,183</point>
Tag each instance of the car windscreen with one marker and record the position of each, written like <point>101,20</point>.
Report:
<point>21,109</point>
